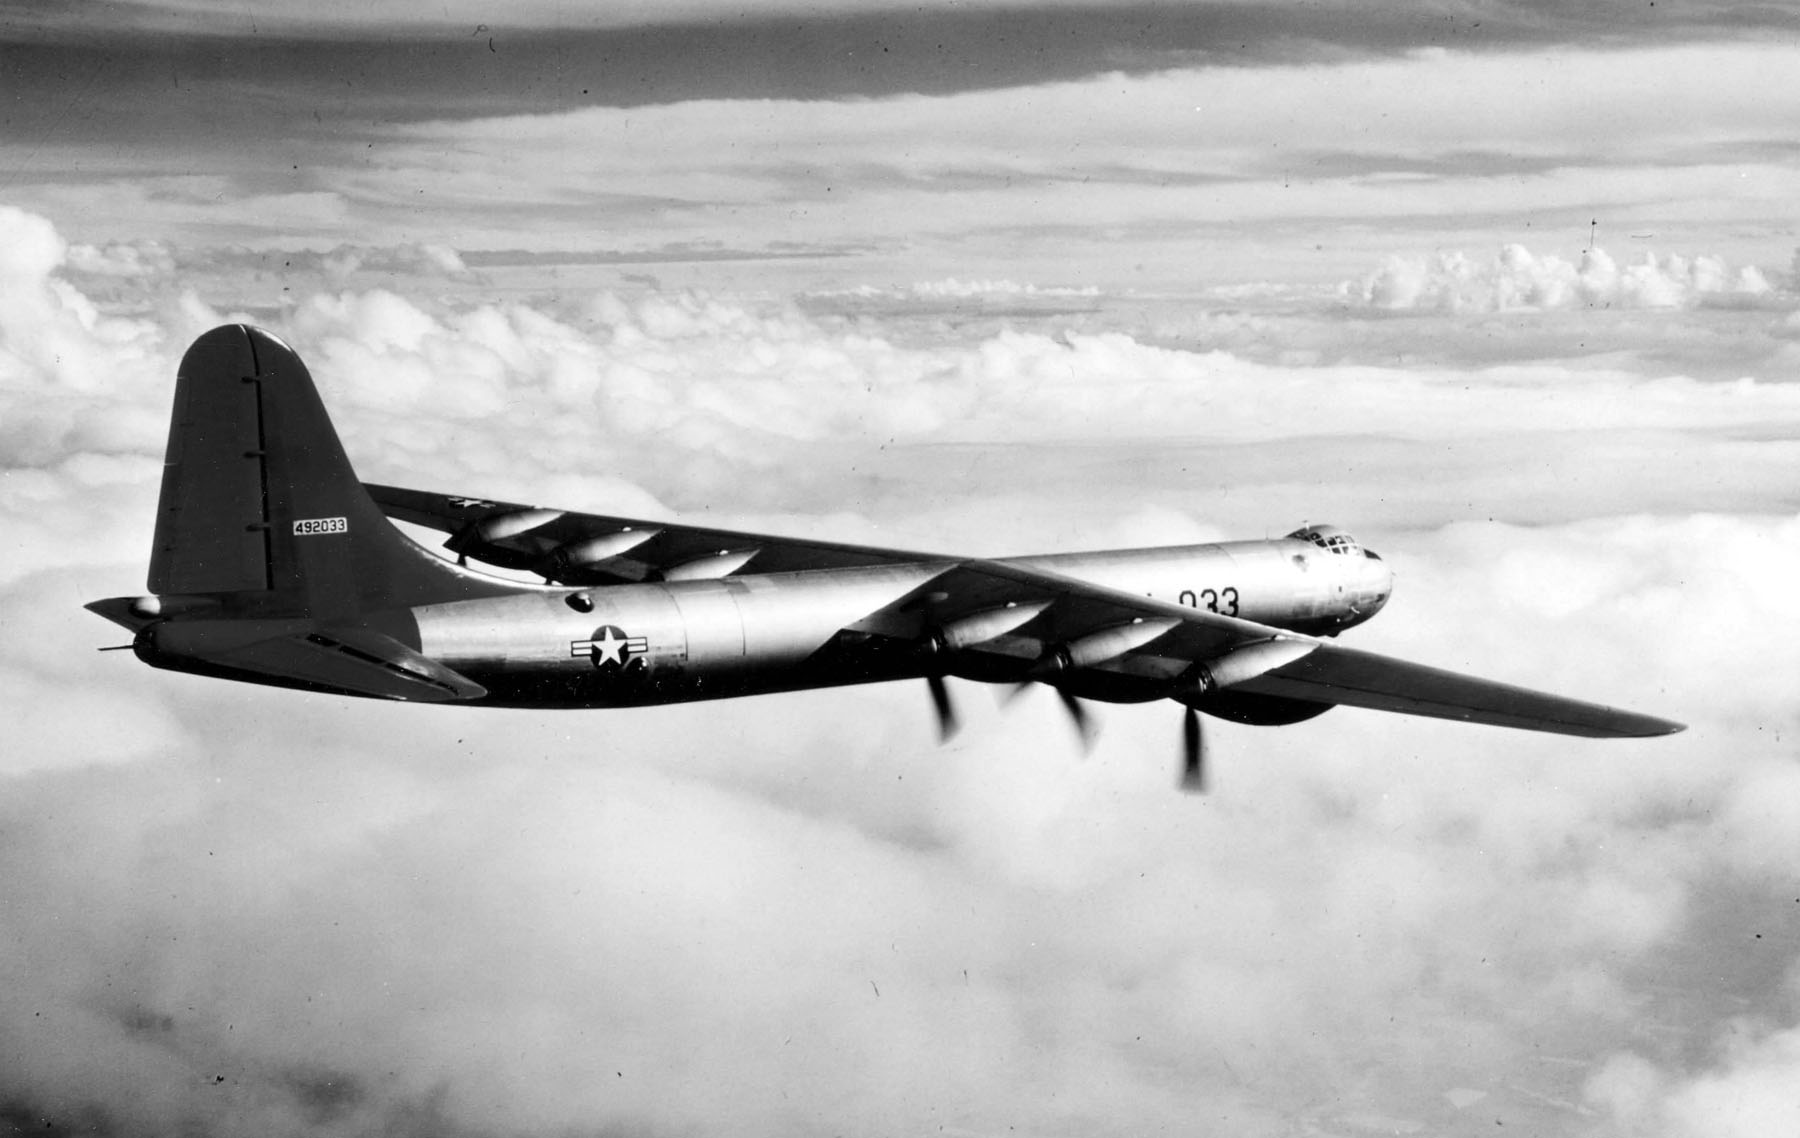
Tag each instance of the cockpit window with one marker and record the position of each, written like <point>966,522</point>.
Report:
<point>1330,539</point>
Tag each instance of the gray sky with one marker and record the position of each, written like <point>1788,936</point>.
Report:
<point>1508,290</point>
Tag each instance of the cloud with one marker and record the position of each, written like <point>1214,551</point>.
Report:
<point>749,381</point>
<point>1180,179</point>
<point>952,287</point>
<point>122,259</point>
<point>1516,279</point>
<point>463,15</point>
<point>1749,1092</point>
<point>62,703</point>
<point>1195,133</point>
<point>1284,30</point>
<point>961,299</point>
<point>58,351</point>
<point>251,911</point>
<point>340,262</point>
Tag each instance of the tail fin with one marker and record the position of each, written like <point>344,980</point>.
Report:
<point>259,497</point>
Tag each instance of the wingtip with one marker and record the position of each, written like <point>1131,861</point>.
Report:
<point>1648,727</point>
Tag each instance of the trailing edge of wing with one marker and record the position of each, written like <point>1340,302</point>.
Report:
<point>1334,674</point>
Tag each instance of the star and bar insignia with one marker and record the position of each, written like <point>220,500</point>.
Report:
<point>610,647</point>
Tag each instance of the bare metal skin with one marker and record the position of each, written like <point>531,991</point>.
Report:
<point>741,636</point>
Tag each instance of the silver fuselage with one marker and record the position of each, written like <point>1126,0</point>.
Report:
<point>625,645</point>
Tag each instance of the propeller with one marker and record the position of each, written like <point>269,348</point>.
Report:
<point>946,711</point>
<point>1193,754</point>
<point>1084,723</point>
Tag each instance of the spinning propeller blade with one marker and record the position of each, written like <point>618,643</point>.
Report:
<point>1193,754</point>
<point>1084,723</point>
<point>946,711</point>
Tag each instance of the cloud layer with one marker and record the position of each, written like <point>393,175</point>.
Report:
<point>1163,180</point>
<point>240,911</point>
<point>1516,279</point>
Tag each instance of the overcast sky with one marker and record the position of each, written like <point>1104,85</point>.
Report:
<point>1508,290</point>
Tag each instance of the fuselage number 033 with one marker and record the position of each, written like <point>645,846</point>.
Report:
<point>1222,601</point>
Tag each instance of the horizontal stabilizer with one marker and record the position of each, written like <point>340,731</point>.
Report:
<point>122,611</point>
<point>348,660</point>
<point>1333,674</point>
<point>372,664</point>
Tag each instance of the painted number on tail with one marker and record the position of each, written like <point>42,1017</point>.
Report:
<point>306,527</point>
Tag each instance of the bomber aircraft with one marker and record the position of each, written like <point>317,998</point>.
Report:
<point>273,564</point>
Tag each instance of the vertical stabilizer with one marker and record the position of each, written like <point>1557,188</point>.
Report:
<point>212,520</point>
<point>259,497</point>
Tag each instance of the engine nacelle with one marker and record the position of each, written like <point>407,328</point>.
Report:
<point>1256,710</point>
<point>1211,685</point>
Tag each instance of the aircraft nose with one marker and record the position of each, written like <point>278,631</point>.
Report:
<point>1378,581</point>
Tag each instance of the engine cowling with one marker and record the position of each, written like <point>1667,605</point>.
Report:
<point>1209,686</point>
<point>1254,709</point>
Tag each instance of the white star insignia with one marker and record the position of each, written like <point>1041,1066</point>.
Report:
<point>610,648</point>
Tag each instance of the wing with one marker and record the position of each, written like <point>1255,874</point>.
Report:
<point>1002,621</point>
<point>1335,674</point>
<point>598,549</point>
